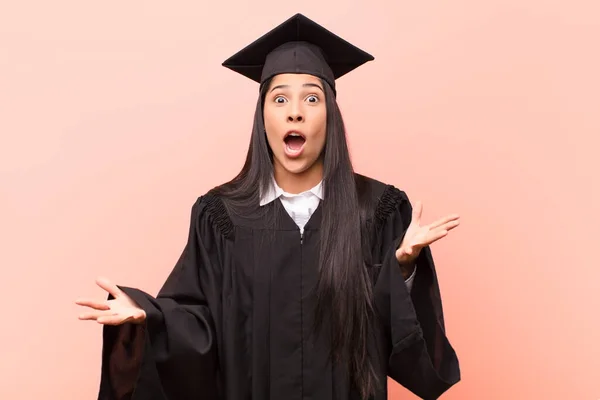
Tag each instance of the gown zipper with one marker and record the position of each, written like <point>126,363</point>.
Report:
<point>301,316</point>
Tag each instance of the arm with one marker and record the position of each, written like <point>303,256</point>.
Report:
<point>421,358</point>
<point>173,354</point>
<point>411,279</point>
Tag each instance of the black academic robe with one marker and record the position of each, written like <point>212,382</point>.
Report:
<point>233,319</point>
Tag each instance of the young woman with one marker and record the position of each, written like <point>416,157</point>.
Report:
<point>300,279</point>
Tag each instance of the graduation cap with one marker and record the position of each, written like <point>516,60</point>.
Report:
<point>298,45</point>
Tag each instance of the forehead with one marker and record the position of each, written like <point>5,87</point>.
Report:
<point>294,80</point>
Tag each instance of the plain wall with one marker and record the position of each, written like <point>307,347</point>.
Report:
<point>115,116</point>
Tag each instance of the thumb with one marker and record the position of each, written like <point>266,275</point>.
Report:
<point>110,287</point>
<point>417,212</point>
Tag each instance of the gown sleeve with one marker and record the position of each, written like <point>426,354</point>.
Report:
<point>173,355</point>
<point>421,357</point>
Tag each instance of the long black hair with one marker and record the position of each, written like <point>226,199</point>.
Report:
<point>343,292</point>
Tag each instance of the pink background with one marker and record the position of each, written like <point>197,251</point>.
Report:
<point>115,116</point>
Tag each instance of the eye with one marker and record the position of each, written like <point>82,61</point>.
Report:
<point>312,98</point>
<point>280,99</point>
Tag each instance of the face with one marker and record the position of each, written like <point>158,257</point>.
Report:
<point>295,120</point>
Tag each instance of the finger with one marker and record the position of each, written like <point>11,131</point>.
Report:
<point>91,315</point>
<point>451,225</point>
<point>120,319</point>
<point>92,303</point>
<point>448,226</point>
<point>434,236</point>
<point>110,287</point>
<point>444,220</point>
<point>416,213</point>
<point>112,320</point>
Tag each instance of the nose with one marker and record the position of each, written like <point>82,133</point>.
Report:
<point>295,115</point>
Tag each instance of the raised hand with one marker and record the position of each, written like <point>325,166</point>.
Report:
<point>120,310</point>
<point>418,236</point>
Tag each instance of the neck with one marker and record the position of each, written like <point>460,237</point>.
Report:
<point>298,182</point>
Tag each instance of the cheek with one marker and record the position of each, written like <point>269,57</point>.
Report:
<point>270,125</point>
<point>267,118</point>
<point>320,129</point>
<point>272,140</point>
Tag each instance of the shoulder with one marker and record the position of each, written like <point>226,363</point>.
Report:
<point>380,193</point>
<point>383,199</point>
<point>209,208</point>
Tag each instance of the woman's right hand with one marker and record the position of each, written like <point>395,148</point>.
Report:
<point>118,311</point>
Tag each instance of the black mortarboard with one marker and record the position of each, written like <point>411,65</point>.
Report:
<point>298,45</point>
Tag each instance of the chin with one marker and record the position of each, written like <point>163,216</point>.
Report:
<point>295,166</point>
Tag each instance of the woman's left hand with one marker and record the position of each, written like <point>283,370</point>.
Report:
<point>418,236</point>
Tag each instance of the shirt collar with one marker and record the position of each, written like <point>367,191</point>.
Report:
<point>274,192</point>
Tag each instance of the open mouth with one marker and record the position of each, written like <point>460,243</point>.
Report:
<point>294,142</point>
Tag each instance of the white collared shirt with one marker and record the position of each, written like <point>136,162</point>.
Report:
<point>301,206</point>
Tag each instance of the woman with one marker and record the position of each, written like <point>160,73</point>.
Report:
<point>300,278</point>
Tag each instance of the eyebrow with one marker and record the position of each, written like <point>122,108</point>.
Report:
<point>304,85</point>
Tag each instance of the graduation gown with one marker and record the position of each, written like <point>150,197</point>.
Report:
<point>233,319</point>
